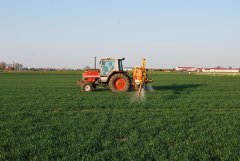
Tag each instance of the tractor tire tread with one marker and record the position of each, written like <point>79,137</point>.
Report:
<point>117,76</point>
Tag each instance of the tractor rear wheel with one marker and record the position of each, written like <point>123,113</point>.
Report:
<point>119,83</point>
<point>87,87</point>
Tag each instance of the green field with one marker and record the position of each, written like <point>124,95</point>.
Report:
<point>44,116</point>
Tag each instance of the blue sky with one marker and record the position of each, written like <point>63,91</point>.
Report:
<point>69,33</point>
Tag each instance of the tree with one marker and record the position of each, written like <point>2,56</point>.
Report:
<point>2,65</point>
<point>87,67</point>
<point>18,66</point>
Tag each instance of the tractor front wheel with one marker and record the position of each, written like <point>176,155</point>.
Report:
<point>87,87</point>
<point>119,83</point>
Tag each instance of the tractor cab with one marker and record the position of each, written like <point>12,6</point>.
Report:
<point>110,65</point>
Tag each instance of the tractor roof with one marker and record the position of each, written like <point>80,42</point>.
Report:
<point>113,59</point>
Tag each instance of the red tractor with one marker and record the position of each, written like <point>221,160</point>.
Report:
<point>112,75</point>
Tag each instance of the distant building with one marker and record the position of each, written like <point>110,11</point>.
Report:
<point>208,70</point>
<point>220,70</point>
<point>9,68</point>
<point>127,68</point>
<point>185,68</point>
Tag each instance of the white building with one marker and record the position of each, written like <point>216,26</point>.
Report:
<point>127,68</point>
<point>220,70</point>
<point>185,68</point>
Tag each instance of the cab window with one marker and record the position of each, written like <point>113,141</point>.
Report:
<point>107,67</point>
<point>120,65</point>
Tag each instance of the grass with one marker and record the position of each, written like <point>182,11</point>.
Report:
<point>44,116</point>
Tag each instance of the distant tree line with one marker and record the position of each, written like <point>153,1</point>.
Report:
<point>17,66</point>
<point>14,66</point>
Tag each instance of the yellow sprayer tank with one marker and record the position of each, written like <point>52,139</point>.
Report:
<point>140,75</point>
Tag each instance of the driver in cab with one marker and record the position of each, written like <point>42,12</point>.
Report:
<point>110,68</point>
<point>107,68</point>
